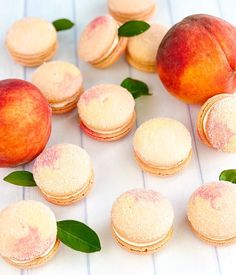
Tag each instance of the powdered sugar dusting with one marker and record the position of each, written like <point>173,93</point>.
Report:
<point>210,193</point>
<point>219,134</point>
<point>32,245</point>
<point>47,158</point>
<point>141,194</point>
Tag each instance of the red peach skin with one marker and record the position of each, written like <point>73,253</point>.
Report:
<point>25,122</point>
<point>197,58</point>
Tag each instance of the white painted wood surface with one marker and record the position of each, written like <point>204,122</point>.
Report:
<point>115,168</point>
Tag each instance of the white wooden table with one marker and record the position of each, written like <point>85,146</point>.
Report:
<point>115,168</point>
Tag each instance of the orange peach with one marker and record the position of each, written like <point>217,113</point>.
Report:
<point>197,58</point>
<point>25,122</point>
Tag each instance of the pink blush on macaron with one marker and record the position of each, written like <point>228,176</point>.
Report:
<point>28,233</point>
<point>142,221</point>
<point>212,212</point>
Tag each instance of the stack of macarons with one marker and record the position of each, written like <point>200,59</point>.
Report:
<point>162,146</point>
<point>216,123</point>
<point>123,10</point>
<point>100,44</point>
<point>61,83</point>
<point>28,234</point>
<point>63,173</point>
<point>106,112</point>
<point>31,41</point>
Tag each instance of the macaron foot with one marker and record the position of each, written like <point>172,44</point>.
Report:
<point>160,171</point>
<point>143,250</point>
<point>212,241</point>
<point>148,68</point>
<point>68,200</point>
<point>36,262</point>
<point>112,136</point>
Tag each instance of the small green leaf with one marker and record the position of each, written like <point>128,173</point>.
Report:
<point>136,87</point>
<point>132,28</point>
<point>21,178</point>
<point>78,236</point>
<point>228,175</point>
<point>62,24</point>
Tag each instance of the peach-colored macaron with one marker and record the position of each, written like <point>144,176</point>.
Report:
<point>100,44</point>
<point>142,49</point>
<point>126,10</point>
<point>61,84</point>
<point>142,221</point>
<point>106,112</point>
<point>31,41</point>
<point>28,234</point>
<point>212,212</point>
<point>216,123</point>
<point>63,173</point>
<point>162,146</point>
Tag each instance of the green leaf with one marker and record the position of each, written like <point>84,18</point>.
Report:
<point>21,178</point>
<point>228,175</point>
<point>132,28</point>
<point>78,236</point>
<point>136,87</point>
<point>62,24</point>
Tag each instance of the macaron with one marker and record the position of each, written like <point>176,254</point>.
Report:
<point>216,123</point>
<point>63,173</point>
<point>142,49</point>
<point>61,83</point>
<point>123,10</point>
<point>31,41</point>
<point>28,234</point>
<point>142,221</point>
<point>162,146</point>
<point>106,112</point>
<point>212,212</point>
<point>100,44</point>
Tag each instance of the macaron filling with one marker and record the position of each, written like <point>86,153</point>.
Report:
<point>109,133</point>
<point>138,244</point>
<point>109,51</point>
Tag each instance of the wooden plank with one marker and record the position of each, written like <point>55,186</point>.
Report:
<point>64,130</point>
<point>9,69</point>
<point>114,169</point>
<point>187,254</point>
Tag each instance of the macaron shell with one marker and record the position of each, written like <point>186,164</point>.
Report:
<point>142,49</point>
<point>62,170</point>
<point>31,36</point>
<point>105,107</point>
<point>162,143</point>
<point>123,10</point>
<point>27,230</point>
<point>58,80</point>
<point>142,216</point>
<point>97,38</point>
<point>211,211</point>
<point>220,124</point>
<point>202,114</point>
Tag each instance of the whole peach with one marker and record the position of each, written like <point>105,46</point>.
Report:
<point>197,58</point>
<point>25,122</point>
